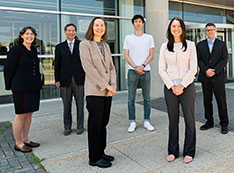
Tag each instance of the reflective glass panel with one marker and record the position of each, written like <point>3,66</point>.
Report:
<point>82,24</point>
<point>200,14</point>
<point>230,16</point>
<point>105,7</point>
<point>47,29</point>
<point>125,28</point>
<point>33,4</point>
<point>175,10</point>
<point>129,8</point>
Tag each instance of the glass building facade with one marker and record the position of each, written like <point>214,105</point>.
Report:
<point>49,17</point>
<point>196,16</point>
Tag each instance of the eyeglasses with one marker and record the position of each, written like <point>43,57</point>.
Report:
<point>71,30</point>
<point>208,30</point>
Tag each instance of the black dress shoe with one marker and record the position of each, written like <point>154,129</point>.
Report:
<point>206,126</point>
<point>108,157</point>
<point>224,130</point>
<point>101,163</point>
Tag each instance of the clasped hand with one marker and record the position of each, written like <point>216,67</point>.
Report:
<point>177,90</point>
<point>210,72</point>
<point>139,70</point>
<point>110,91</point>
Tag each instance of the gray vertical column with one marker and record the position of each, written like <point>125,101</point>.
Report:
<point>156,24</point>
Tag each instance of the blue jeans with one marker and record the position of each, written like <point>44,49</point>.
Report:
<point>133,79</point>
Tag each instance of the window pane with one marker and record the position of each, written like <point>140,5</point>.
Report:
<point>175,10</point>
<point>105,7</point>
<point>199,14</point>
<point>127,8</point>
<point>230,16</point>
<point>131,7</point>
<point>82,24</point>
<point>46,26</point>
<point>34,4</point>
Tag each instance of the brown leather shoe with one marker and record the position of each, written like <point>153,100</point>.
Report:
<point>32,144</point>
<point>23,149</point>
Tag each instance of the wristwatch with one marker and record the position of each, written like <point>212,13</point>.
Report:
<point>143,65</point>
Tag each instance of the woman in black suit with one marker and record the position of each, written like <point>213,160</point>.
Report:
<point>22,77</point>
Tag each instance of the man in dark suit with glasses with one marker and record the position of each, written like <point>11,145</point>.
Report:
<point>69,77</point>
<point>212,59</point>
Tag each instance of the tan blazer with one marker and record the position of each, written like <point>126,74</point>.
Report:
<point>100,73</point>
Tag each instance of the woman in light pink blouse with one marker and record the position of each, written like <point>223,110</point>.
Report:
<point>177,68</point>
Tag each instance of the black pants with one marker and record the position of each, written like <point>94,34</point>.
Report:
<point>219,91</point>
<point>187,100</point>
<point>99,113</point>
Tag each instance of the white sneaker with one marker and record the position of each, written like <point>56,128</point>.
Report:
<point>132,127</point>
<point>148,126</point>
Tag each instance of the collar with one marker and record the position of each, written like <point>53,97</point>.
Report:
<point>73,41</point>
<point>211,42</point>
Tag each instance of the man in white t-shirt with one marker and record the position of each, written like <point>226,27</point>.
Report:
<point>138,52</point>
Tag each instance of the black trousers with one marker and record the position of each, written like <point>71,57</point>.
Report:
<point>186,100</point>
<point>99,113</point>
<point>219,91</point>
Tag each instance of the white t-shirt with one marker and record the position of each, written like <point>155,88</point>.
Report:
<point>139,47</point>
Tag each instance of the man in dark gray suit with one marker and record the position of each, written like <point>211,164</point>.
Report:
<point>69,77</point>
<point>212,60</point>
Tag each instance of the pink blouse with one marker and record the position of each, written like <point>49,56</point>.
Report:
<point>178,67</point>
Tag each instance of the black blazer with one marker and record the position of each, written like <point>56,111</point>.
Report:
<point>217,60</point>
<point>21,70</point>
<point>68,65</point>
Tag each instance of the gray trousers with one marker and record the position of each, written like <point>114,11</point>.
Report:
<point>78,92</point>
<point>186,99</point>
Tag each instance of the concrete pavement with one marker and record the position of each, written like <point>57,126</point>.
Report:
<point>141,151</point>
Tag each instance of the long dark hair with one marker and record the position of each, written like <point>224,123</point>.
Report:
<point>19,39</point>
<point>89,34</point>
<point>170,37</point>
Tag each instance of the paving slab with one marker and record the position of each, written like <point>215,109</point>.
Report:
<point>139,152</point>
<point>11,160</point>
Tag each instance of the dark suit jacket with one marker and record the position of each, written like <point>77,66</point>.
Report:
<point>68,65</point>
<point>217,60</point>
<point>21,70</point>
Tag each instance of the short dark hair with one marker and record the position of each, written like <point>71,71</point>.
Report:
<point>70,24</point>
<point>19,39</point>
<point>210,24</point>
<point>170,37</point>
<point>138,16</point>
<point>89,34</point>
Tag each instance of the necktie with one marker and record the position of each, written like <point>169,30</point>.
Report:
<point>70,47</point>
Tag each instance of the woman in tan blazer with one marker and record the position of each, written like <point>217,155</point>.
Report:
<point>100,86</point>
<point>177,68</point>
